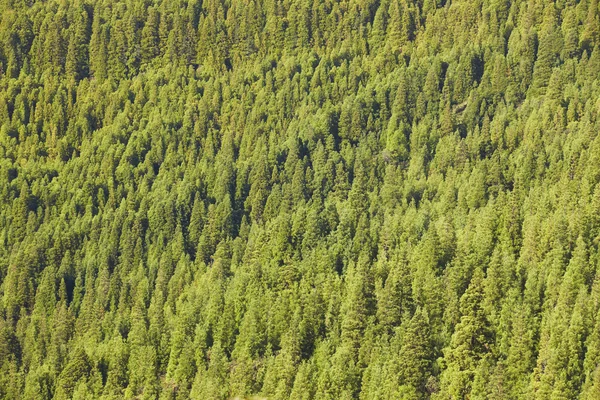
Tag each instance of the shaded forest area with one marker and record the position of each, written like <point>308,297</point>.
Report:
<point>371,199</point>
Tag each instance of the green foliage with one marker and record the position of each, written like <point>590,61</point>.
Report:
<point>328,199</point>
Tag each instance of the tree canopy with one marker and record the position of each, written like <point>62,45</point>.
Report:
<point>330,199</point>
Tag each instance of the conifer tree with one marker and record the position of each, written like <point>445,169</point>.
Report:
<point>472,338</point>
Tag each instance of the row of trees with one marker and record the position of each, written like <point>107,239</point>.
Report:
<point>350,199</point>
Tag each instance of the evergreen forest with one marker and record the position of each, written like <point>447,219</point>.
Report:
<point>300,199</point>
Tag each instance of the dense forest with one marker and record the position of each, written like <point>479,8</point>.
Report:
<point>329,199</point>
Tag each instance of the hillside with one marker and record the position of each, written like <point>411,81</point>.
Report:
<point>370,199</point>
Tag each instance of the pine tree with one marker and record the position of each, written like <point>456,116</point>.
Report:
<point>77,368</point>
<point>416,353</point>
<point>98,47</point>
<point>150,40</point>
<point>591,32</point>
<point>472,338</point>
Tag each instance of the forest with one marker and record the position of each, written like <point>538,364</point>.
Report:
<point>300,199</point>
